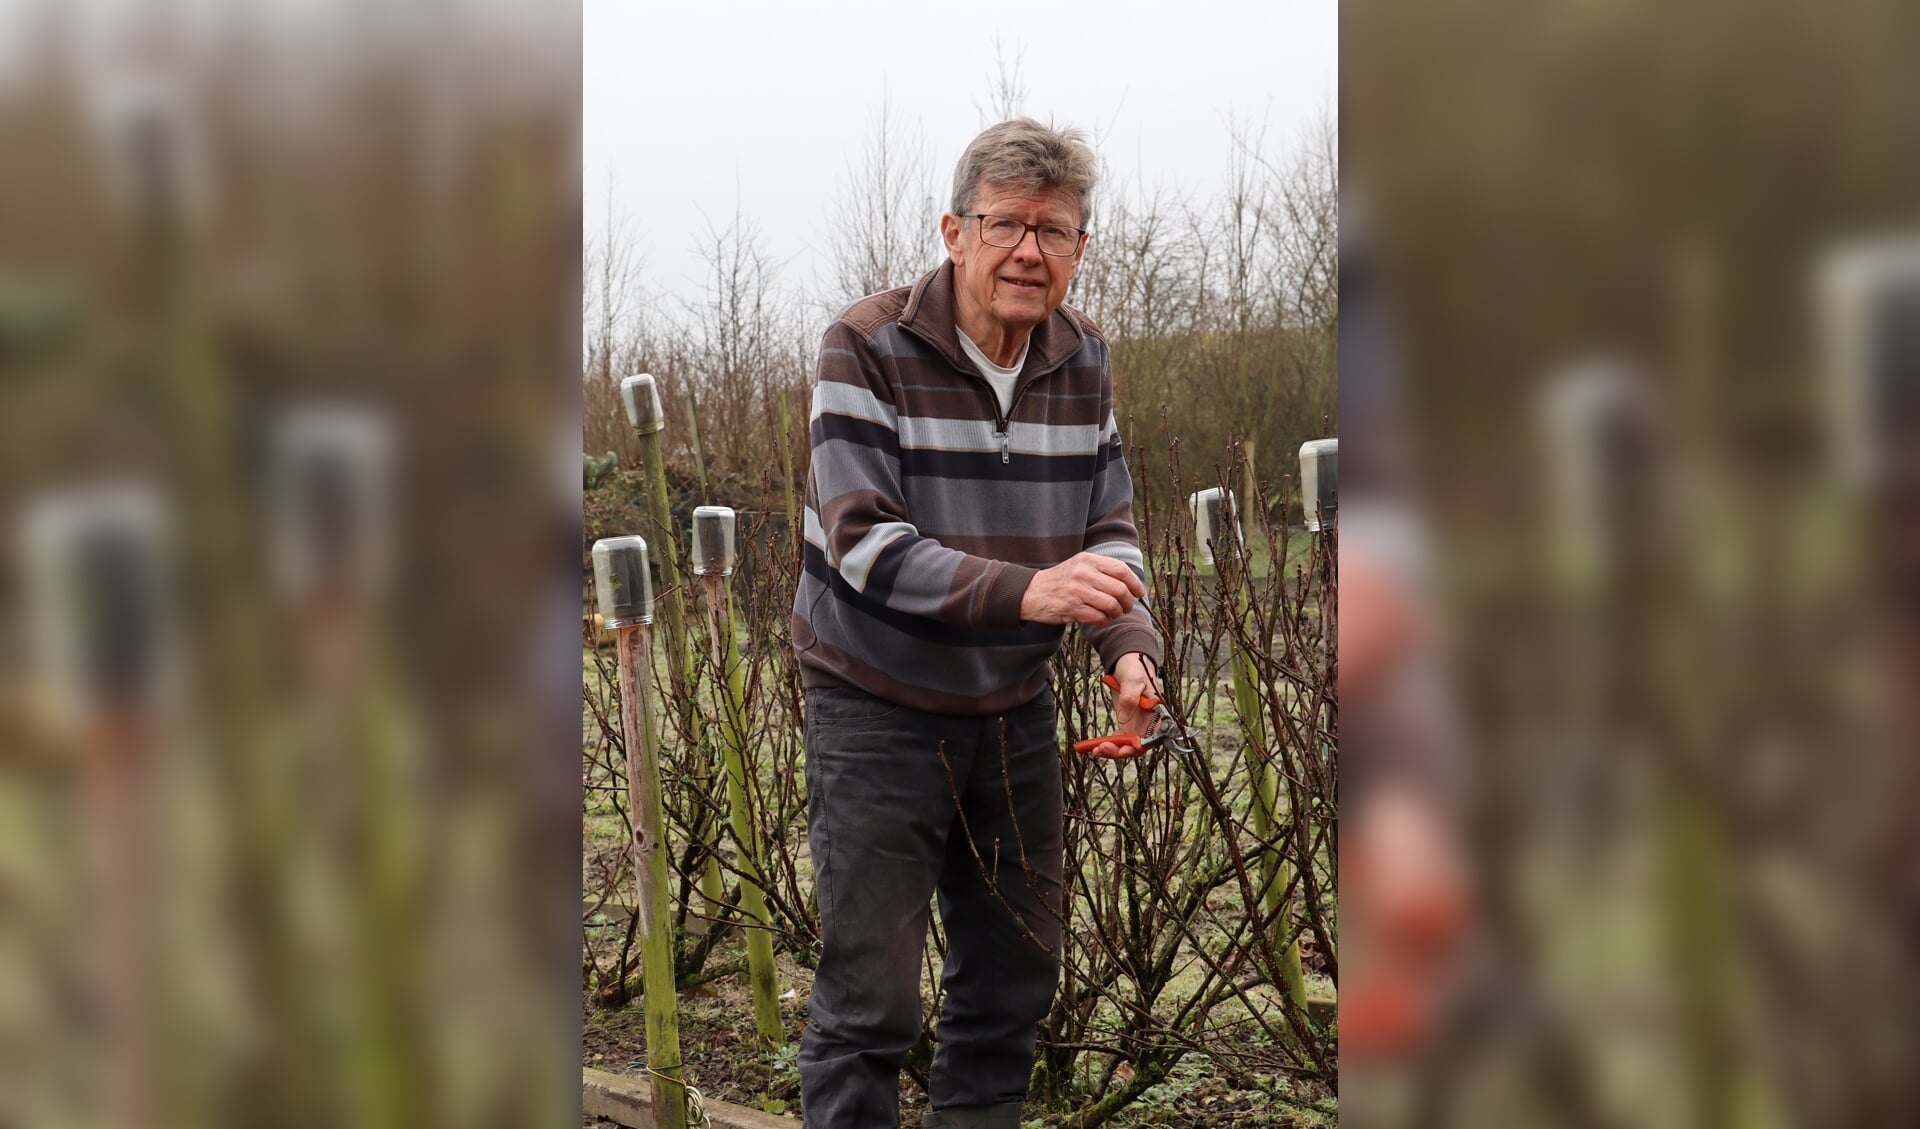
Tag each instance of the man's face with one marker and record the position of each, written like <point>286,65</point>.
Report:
<point>1015,288</point>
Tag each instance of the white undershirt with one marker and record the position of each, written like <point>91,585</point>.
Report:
<point>1002,379</point>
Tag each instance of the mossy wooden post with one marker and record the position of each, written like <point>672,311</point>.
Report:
<point>794,532</point>
<point>642,399</point>
<point>713,559</point>
<point>699,448</point>
<point>624,592</point>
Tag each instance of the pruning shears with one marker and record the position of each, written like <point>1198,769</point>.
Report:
<point>1162,729</point>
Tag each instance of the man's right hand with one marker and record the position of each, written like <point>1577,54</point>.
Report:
<point>1086,588</point>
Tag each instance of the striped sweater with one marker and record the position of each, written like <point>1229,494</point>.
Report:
<point>928,512</point>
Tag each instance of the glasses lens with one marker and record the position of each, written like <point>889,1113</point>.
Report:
<point>1058,240</point>
<point>1000,232</point>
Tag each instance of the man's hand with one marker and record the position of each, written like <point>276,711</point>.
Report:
<point>1407,913</point>
<point>1136,678</point>
<point>1381,622</point>
<point>1085,588</point>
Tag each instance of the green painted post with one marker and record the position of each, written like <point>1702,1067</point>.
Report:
<point>794,532</point>
<point>1217,526</point>
<point>642,399</point>
<point>699,448</point>
<point>746,836</point>
<point>1274,871</point>
<point>713,557</point>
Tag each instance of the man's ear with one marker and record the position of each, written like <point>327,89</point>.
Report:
<point>950,235</point>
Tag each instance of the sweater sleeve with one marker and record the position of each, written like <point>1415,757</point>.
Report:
<point>1111,533</point>
<point>856,509</point>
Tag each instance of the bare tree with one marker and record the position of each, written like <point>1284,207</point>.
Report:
<point>622,332</point>
<point>611,298</point>
<point>1006,89</point>
<point>1246,218</point>
<point>886,217</point>
<point>748,344</point>
<point>1306,236</point>
<point>1130,282</point>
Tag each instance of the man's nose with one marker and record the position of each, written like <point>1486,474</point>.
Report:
<point>1028,249</point>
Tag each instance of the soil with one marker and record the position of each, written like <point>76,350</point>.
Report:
<point>717,1039</point>
<point>727,1062</point>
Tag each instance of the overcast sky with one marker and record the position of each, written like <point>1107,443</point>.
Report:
<point>692,107</point>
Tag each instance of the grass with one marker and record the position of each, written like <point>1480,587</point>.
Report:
<point>726,1062</point>
<point>1260,553</point>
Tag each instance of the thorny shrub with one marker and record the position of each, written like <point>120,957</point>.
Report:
<point>1175,946</point>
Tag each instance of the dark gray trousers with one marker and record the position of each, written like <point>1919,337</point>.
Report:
<point>903,805</point>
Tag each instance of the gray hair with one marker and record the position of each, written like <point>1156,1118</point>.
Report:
<point>1033,156</point>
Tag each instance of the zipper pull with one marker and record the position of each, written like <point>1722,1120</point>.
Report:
<point>1006,448</point>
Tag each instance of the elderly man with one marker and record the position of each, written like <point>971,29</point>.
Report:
<point>967,499</point>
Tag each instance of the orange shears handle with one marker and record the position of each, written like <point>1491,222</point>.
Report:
<point>1124,740</point>
<point>1147,701</point>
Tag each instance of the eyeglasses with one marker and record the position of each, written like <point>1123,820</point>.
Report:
<point>1055,240</point>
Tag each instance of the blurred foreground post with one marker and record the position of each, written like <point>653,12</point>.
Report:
<point>96,585</point>
<point>713,558</point>
<point>343,766</point>
<point>1620,552</point>
<point>158,141</point>
<point>625,595</point>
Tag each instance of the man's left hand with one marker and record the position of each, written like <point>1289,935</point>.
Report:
<point>1136,677</point>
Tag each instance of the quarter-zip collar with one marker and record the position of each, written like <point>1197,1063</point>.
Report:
<point>929,316</point>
